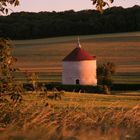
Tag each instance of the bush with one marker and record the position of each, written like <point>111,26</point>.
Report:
<point>70,88</point>
<point>125,87</point>
<point>84,88</point>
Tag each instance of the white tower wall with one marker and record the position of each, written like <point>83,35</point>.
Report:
<point>84,71</point>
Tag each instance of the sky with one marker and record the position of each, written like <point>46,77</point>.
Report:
<point>62,5</point>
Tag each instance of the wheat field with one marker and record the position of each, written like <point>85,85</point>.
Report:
<point>76,117</point>
<point>45,55</point>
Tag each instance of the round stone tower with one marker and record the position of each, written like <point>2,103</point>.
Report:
<point>79,67</point>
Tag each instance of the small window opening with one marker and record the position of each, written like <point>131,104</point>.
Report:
<point>77,81</point>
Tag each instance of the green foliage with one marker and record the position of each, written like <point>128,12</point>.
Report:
<point>4,4</point>
<point>8,85</point>
<point>104,74</point>
<point>100,4</point>
<point>125,87</point>
<point>87,89</point>
<point>6,60</point>
<point>75,88</point>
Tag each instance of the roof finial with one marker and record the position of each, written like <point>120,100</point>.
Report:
<point>78,43</point>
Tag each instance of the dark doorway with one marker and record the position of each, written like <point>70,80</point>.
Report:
<point>77,82</point>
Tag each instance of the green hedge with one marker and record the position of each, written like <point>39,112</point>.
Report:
<point>84,88</point>
<point>125,87</point>
<point>91,89</point>
<point>70,88</point>
<point>75,88</point>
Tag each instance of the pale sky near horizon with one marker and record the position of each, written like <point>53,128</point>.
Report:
<point>62,5</point>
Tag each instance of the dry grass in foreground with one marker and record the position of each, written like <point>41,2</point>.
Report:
<point>38,118</point>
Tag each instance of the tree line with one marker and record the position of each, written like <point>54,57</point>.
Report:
<point>29,25</point>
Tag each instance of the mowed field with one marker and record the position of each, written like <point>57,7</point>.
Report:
<point>45,55</point>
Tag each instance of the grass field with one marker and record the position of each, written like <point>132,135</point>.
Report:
<point>75,117</point>
<point>45,55</point>
<point>84,100</point>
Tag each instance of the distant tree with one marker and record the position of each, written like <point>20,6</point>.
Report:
<point>104,74</point>
<point>26,25</point>
<point>5,3</point>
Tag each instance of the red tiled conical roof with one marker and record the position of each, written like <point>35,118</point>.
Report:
<point>79,54</point>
